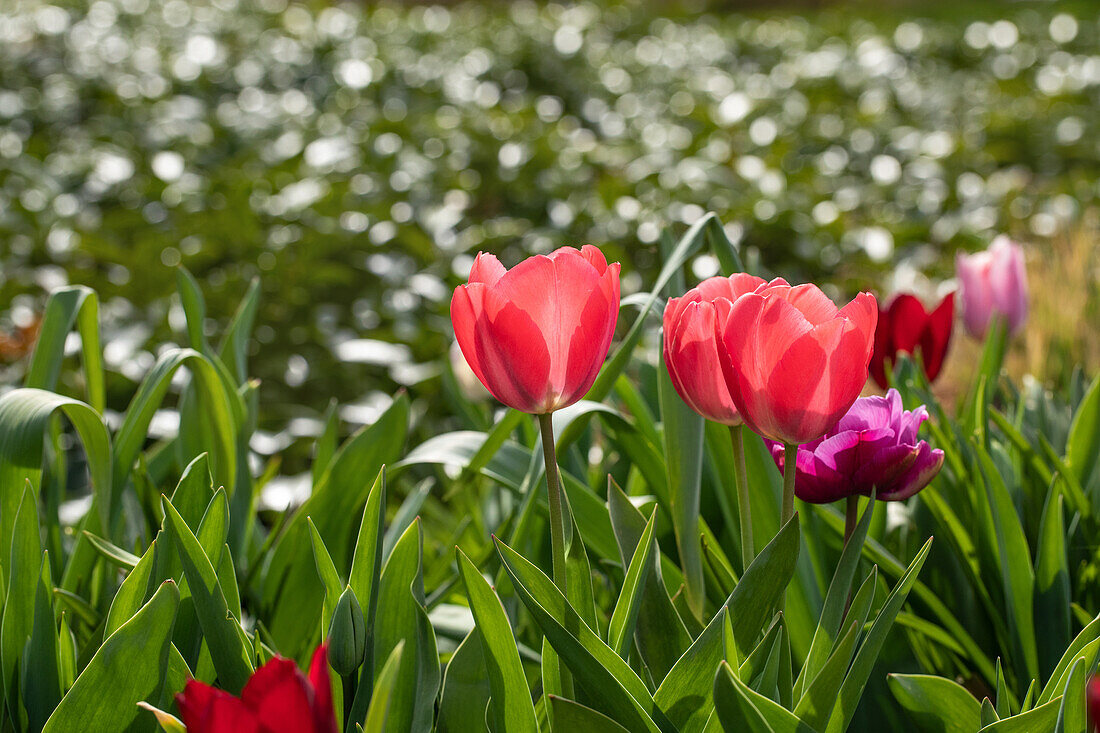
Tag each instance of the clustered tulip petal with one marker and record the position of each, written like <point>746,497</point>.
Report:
<point>278,698</point>
<point>904,327</point>
<point>993,283</point>
<point>536,335</point>
<point>792,361</point>
<point>692,346</point>
<point>873,448</point>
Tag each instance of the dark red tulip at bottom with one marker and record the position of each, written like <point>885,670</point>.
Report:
<point>278,698</point>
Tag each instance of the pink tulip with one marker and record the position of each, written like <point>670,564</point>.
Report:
<point>993,282</point>
<point>692,346</point>
<point>794,363</point>
<point>536,335</point>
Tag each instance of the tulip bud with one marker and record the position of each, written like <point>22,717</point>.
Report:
<point>347,635</point>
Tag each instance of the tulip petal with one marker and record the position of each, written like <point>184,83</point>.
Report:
<point>590,341</point>
<point>205,709</point>
<point>486,269</point>
<point>691,356</point>
<point>937,336</point>
<point>731,288</point>
<point>279,695</point>
<point>814,305</point>
<point>467,307</point>
<point>924,468</point>
<point>593,255</point>
<point>324,716</point>
<point>977,299</point>
<point>862,312</point>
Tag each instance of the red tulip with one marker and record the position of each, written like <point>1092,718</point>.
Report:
<point>904,326</point>
<point>537,334</point>
<point>793,362</point>
<point>278,698</point>
<point>691,346</point>
<point>1092,701</point>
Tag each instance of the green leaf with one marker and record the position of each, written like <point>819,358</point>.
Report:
<point>378,712</point>
<point>686,694</point>
<point>41,677</point>
<point>291,591</point>
<point>1041,718</point>
<point>570,715</point>
<point>232,660</point>
<point>1017,575</point>
<point>832,612</point>
<point>742,709</point>
<point>74,306</point>
<point>234,346</point>
<point>325,447</point>
<point>364,578</point>
<point>401,616</point>
<point>754,599</point>
<point>623,618</point>
<point>66,652</point>
<point>465,694</point>
<point>1052,585</point>
<point>129,668</point>
<point>326,571</point>
<point>131,594</point>
<point>111,552</point>
<point>24,562</point>
<point>1071,714</point>
<point>852,689</point>
<point>622,694</point>
<point>816,704</point>
<point>658,630</point>
<point>25,416</point>
<point>935,704</point>
<point>1083,444</point>
<point>510,706</point>
<point>1085,643</point>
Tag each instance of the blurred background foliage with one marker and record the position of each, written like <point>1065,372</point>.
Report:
<point>356,156</point>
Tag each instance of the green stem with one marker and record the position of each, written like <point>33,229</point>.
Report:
<point>744,510</point>
<point>790,463</point>
<point>851,516</point>
<point>553,490</point>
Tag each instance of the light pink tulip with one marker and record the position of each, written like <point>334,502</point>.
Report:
<point>993,282</point>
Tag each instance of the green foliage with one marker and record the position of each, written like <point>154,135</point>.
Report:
<point>425,566</point>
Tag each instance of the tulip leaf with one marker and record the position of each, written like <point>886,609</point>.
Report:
<point>464,698</point>
<point>401,616</point>
<point>129,668</point>
<point>623,618</point>
<point>619,692</point>
<point>658,630</point>
<point>1071,713</point>
<point>1086,644</point>
<point>816,704</point>
<point>40,680</point>
<point>69,307</point>
<point>378,712</point>
<point>510,705</point>
<point>686,694</point>
<point>131,594</point>
<point>835,600</point>
<point>936,704</point>
<point>1042,717</point>
<point>569,715</point>
<point>740,708</point>
<point>232,660</point>
<point>326,572</point>
<point>1083,444</point>
<point>24,563</point>
<point>292,591</point>
<point>754,599</point>
<point>1052,584</point>
<point>860,670</point>
<point>364,578</point>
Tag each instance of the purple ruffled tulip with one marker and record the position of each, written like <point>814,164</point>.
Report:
<point>873,447</point>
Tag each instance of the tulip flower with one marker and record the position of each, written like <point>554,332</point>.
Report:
<point>278,698</point>
<point>1092,701</point>
<point>904,327</point>
<point>873,449</point>
<point>794,363</point>
<point>691,353</point>
<point>993,283</point>
<point>537,334</point>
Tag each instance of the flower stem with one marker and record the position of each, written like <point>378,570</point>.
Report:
<point>790,463</point>
<point>553,490</point>
<point>744,510</point>
<point>851,515</point>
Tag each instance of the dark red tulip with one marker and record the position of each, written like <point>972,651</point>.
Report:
<point>278,698</point>
<point>904,327</point>
<point>1092,700</point>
